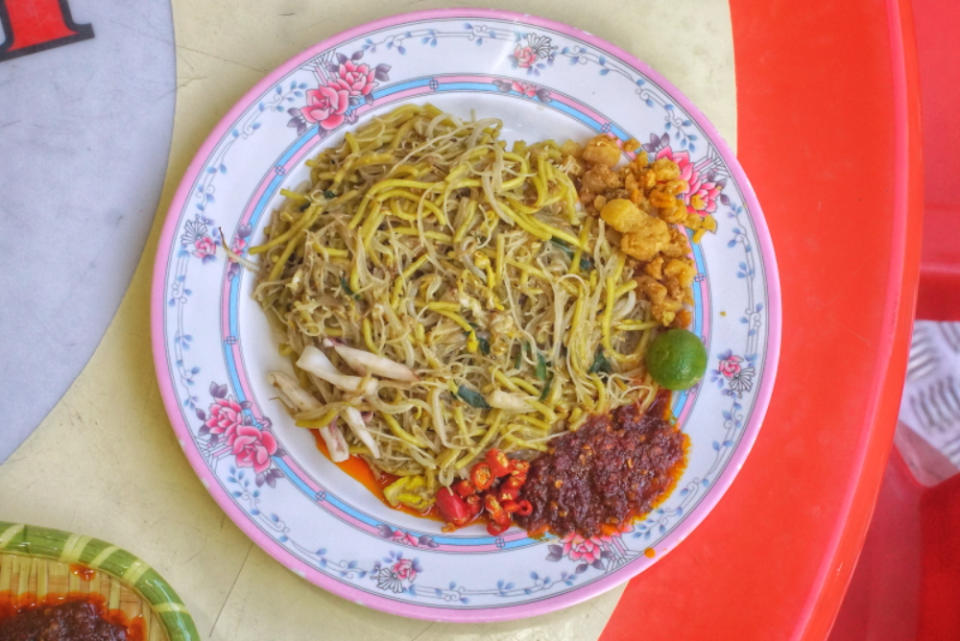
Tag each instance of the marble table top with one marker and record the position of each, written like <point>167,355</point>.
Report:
<point>84,134</point>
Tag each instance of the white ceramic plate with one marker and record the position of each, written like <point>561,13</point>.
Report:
<point>213,347</point>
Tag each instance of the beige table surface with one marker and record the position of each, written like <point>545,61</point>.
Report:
<point>105,462</point>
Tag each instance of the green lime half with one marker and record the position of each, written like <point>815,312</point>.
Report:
<point>676,359</point>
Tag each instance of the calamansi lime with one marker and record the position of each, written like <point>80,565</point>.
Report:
<point>676,359</point>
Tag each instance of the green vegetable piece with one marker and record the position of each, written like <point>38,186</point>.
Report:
<point>472,397</point>
<point>329,195</point>
<point>586,263</point>
<point>484,344</point>
<point>541,367</point>
<point>346,288</point>
<point>482,339</point>
<point>562,244</point>
<point>546,388</point>
<point>600,364</point>
<point>676,359</point>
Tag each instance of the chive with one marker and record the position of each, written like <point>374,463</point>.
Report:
<point>541,367</point>
<point>562,244</point>
<point>519,359</point>
<point>600,364</point>
<point>482,341</point>
<point>329,195</point>
<point>586,263</point>
<point>546,388</point>
<point>472,397</point>
<point>346,288</point>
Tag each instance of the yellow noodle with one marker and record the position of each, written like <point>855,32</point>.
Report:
<point>461,260</point>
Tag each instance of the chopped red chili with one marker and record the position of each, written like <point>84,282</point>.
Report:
<point>482,476</point>
<point>495,511</point>
<point>464,488</point>
<point>474,505</point>
<point>498,462</point>
<point>452,508</point>
<point>493,487</point>
<point>512,483</point>
<point>519,470</point>
<point>507,493</point>
<point>495,528</point>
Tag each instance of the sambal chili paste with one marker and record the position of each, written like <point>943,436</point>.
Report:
<point>70,621</point>
<point>615,467</point>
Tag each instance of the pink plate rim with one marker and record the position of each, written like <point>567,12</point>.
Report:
<point>390,606</point>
